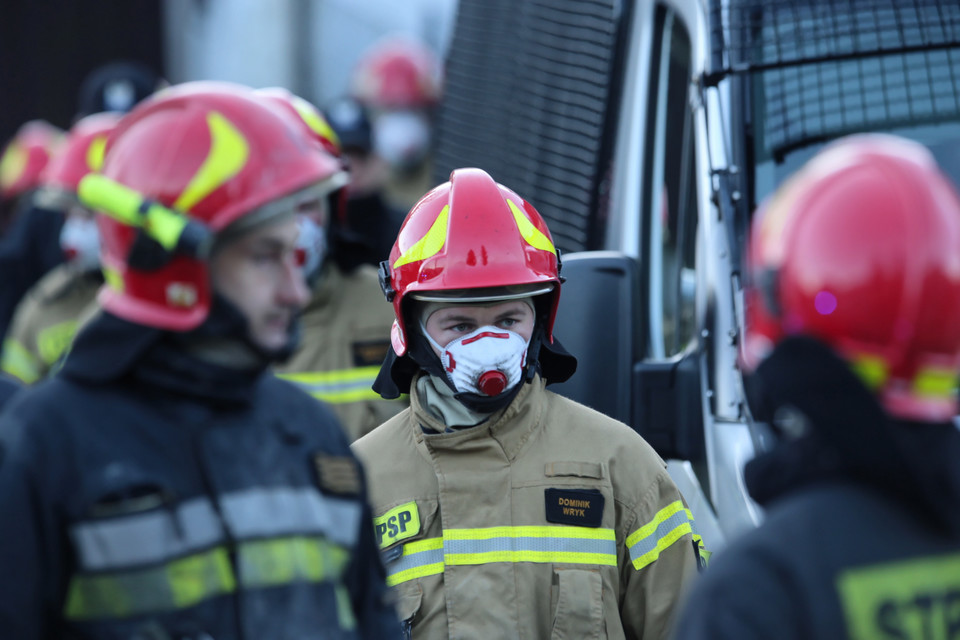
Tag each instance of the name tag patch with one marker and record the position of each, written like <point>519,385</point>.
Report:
<point>337,474</point>
<point>398,524</point>
<point>581,507</point>
<point>368,354</point>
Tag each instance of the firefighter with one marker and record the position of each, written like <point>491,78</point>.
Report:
<point>370,223</point>
<point>31,247</point>
<point>21,165</point>
<point>854,319</point>
<point>346,326</point>
<point>398,80</point>
<point>503,510</point>
<point>47,318</point>
<point>163,484</point>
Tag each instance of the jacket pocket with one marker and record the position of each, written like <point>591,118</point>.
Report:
<point>575,469</point>
<point>578,613</point>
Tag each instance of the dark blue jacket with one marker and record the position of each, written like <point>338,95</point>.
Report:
<point>862,531</point>
<point>147,494</point>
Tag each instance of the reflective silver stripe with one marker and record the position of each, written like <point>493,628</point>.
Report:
<point>415,559</point>
<point>161,534</point>
<point>286,511</point>
<point>146,538</point>
<point>647,548</point>
<point>522,544</point>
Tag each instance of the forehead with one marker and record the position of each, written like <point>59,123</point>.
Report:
<point>284,230</point>
<point>482,310</point>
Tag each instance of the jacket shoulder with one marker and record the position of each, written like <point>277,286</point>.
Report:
<point>392,439</point>
<point>598,431</point>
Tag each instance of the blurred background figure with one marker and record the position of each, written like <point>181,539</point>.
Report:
<point>853,327</point>
<point>370,224</point>
<point>117,87</point>
<point>345,328</point>
<point>399,81</point>
<point>46,319</point>
<point>21,163</point>
<point>31,247</point>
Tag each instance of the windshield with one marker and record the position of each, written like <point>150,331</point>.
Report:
<point>816,71</point>
<point>942,139</point>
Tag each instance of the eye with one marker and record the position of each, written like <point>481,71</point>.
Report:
<point>463,327</point>
<point>509,322</point>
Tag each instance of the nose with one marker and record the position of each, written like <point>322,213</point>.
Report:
<point>293,291</point>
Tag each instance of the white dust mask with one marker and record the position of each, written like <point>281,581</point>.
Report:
<point>311,246</point>
<point>487,361</point>
<point>80,241</point>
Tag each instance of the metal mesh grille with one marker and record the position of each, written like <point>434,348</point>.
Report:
<point>828,67</point>
<point>526,91</point>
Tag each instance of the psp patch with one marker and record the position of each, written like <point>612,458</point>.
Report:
<point>368,354</point>
<point>397,524</point>
<point>339,475</point>
<point>580,507</point>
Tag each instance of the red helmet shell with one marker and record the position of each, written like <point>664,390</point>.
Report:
<point>215,151</point>
<point>397,73</point>
<point>860,249</point>
<point>81,153</point>
<point>25,156</point>
<point>466,234</point>
<point>316,123</point>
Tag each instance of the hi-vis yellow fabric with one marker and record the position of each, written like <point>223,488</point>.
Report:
<point>495,558</point>
<point>46,321</point>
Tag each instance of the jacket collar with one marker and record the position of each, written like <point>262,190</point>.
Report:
<point>511,427</point>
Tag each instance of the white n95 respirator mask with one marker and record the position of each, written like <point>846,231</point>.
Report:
<point>487,361</point>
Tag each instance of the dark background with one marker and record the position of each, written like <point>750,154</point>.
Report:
<point>47,47</point>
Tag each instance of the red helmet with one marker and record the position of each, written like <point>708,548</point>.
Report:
<point>26,155</point>
<point>217,153</point>
<point>81,153</point>
<point>397,73</point>
<point>311,116</point>
<point>470,240</point>
<point>861,249</point>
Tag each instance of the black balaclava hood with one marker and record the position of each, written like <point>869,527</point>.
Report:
<point>845,435</point>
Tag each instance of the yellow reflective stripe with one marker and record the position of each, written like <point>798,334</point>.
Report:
<point>188,581</point>
<point>95,153</point>
<point>667,526</point>
<point>228,154</point>
<point>539,544</point>
<point>420,559</point>
<point>267,563</point>
<point>338,387</point>
<point>176,585</point>
<point>19,362</point>
<point>533,236</point>
<point>871,370</point>
<point>935,382</point>
<point>430,244</point>
<point>12,164</point>
<point>53,341</point>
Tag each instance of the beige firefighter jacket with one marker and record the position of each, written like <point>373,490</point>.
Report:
<point>346,333</point>
<point>550,520</point>
<point>46,320</point>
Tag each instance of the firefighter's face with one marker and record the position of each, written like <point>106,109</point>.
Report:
<point>260,274</point>
<point>450,323</point>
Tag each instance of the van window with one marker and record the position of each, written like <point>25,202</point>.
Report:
<point>670,200</point>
